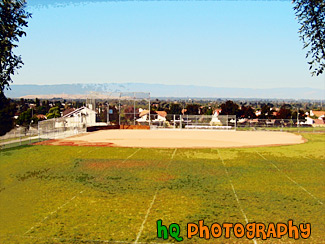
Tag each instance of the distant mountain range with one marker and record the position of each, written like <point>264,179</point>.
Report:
<point>159,90</point>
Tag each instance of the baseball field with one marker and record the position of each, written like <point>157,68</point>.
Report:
<point>103,194</point>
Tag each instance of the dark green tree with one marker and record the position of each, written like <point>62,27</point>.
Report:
<point>175,108</point>
<point>13,18</point>
<point>26,118</point>
<point>247,112</point>
<point>229,108</point>
<point>7,112</point>
<point>192,109</point>
<point>311,17</point>
<point>301,115</point>
<point>266,112</point>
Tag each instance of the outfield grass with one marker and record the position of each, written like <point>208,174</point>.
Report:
<point>62,194</point>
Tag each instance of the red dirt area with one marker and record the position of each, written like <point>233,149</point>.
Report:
<point>135,127</point>
<point>165,177</point>
<point>56,142</point>
<point>101,165</point>
<point>134,163</point>
<point>115,163</point>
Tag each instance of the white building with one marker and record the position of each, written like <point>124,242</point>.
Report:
<point>156,116</point>
<point>79,116</point>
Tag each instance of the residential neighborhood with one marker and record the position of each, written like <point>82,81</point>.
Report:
<point>28,112</point>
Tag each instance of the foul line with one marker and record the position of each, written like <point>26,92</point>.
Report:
<point>67,202</point>
<point>151,204</point>
<point>145,218</point>
<point>312,160</point>
<point>128,157</point>
<point>45,218</point>
<point>303,188</point>
<point>234,191</point>
<point>39,223</point>
<point>81,240</point>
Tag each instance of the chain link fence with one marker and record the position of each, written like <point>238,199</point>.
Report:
<point>287,125</point>
<point>60,128</point>
<point>176,121</point>
<point>19,136</point>
<point>45,130</point>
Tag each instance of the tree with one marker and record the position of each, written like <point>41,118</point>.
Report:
<point>192,109</point>
<point>266,112</point>
<point>311,16</point>
<point>13,18</point>
<point>7,112</point>
<point>284,112</point>
<point>301,114</point>
<point>26,118</point>
<point>175,108</point>
<point>229,108</point>
<point>247,112</point>
<point>53,113</point>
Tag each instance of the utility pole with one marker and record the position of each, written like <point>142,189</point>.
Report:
<point>107,113</point>
<point>297,117</point>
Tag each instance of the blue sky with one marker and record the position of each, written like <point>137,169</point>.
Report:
<point>249,44</point>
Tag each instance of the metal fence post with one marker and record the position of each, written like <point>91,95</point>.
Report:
<point>174,122</point>
<point>180,122</point>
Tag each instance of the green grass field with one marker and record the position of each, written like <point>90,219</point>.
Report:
<point>62,194</point>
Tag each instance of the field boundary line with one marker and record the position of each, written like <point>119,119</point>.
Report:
<point>311,160</point>
<point>151,204</point>
<point>146,217</point>
<point>67,202</point>
<point>292,180</point>
<point>234,191</point>
<point>172,157</point>
<point>128,157</point>
<point>83,240</point>
<point>53,212</point>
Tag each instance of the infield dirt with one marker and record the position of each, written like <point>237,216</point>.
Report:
<point>179,139</point>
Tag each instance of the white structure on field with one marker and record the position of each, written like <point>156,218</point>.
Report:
<point>215,120</point>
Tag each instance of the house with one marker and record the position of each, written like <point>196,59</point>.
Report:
<point>67,111</point>
<point>313,122</point>
<point>318,114</point>
<point>309,121</point>
<point>275,113</point>
<point>144,115</point>
<point>156,116</point>
<point>79,116</point>
<point>41,116</point>
<point>161,115</point>
<point>319,123</point>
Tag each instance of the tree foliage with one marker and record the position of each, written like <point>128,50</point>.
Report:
<point>284,112</point>
<point>247,112</point>
<point>13,18</point>
<point>26,118</point>
<point>175,108</point>
<point>192,109</point>
<point>53,113</point>
<point>229,108</point>
<point>311,16</point>
<point>7,112</point>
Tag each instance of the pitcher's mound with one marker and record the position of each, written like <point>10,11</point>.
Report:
<point>180,139</point>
